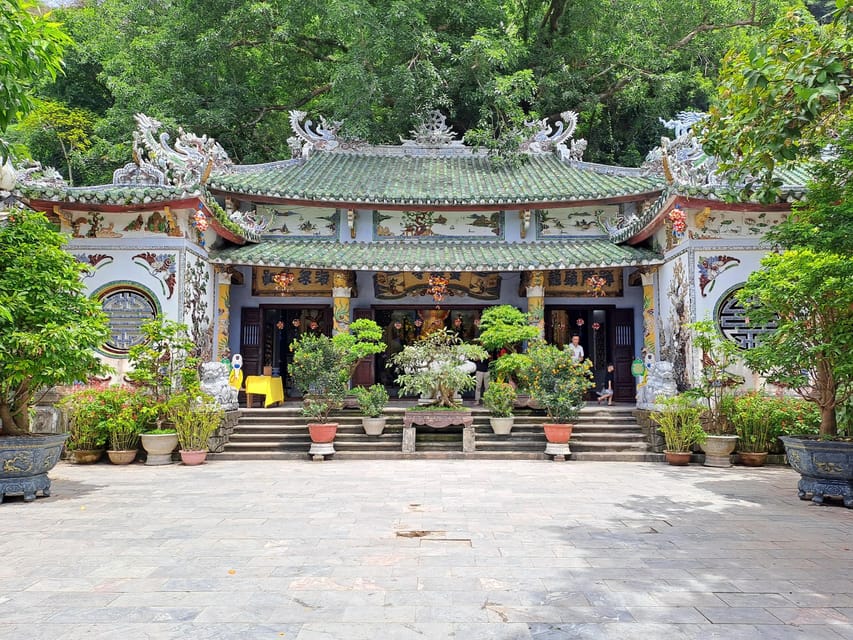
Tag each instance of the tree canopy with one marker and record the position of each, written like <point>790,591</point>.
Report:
<point>233,69</point>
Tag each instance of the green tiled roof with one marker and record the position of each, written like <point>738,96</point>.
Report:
<point>432,181</point>
<point>124,195</point>
<point>435,256</point>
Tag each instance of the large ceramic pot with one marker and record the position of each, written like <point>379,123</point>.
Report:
<point>678,458</point>
<point>753,458</point>
<point>557,433</point>
<point>159,447</point>
<point>825,468</point>
<point>25,461</point>
<point>502,426</point>
<point>373,426</point>
<point>121,457</point>
<point>718,450</point>
<point>193,458</point>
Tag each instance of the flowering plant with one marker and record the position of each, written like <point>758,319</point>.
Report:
<point>557,382</point>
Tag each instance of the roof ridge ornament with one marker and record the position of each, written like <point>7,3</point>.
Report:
<point>155,162</point>
<point>682,160</point>
<point>432,131</point>
<point>547,138</point>
<point>323,137</point>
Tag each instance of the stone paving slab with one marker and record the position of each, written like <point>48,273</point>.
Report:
<point>426,549</point>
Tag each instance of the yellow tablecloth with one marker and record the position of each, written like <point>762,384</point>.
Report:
<point>270,387</point>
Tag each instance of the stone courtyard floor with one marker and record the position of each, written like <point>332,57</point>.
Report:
<point>426,549</point>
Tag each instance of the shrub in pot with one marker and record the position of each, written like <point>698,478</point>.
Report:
<point>196,416</point>
<point>371,401</point>
<point>49,330</point>
<point>752,417</point>
<point>679,420</point>
<point>558,384</point>
<point>87,411</point>
<point>499,399</point>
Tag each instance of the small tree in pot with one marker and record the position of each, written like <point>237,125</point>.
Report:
<point>196,416</point>
<point>678,419</point>
<point>321,370</point>
<point>371,401</point>
<point>499,399</point>
<point>558,383</point>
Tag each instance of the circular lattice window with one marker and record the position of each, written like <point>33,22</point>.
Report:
<point>127,306</point>
<point>734,323</point>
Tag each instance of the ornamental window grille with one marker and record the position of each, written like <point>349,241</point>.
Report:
<point>127,308</point>
<point>734,323</point>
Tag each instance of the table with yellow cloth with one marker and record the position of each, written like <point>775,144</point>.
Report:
<point>270,387</point>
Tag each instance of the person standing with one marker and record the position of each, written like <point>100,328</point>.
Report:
<point>576,349</point>
<point>607,392</point>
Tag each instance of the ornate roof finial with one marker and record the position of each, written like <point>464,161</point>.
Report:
<point>682,160</point>
<point>432,130</point>
<point>546,138</point>
<point>323,137</point>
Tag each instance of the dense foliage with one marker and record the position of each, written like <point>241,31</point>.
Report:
<point>557,382</point>
<point>49,329</point>
<point>234,69</point>
<point>678,419</point>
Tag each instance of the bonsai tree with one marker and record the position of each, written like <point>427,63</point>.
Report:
<point>434,367</point>
<point>558,382</point>
<point>321,370</point>
<point>503,329</point>
<point>678,419</point>
<point>49,328</point>
<point>364,339</point>
<point>716,384</point>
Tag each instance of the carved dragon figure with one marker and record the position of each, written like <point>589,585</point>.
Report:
<point>323,137</point>
<point>545,137</point>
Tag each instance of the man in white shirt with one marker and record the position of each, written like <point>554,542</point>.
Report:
<point>576,349</point>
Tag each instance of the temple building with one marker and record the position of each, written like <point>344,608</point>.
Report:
<point>423,234</point>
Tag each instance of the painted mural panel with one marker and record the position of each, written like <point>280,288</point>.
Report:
<point>299,222</point>
<point>580,283</point>
<point>198,297</point>
<point>708,224</point>
<point>435,225</point>
<point>392,285</point>
<point>573,221</point>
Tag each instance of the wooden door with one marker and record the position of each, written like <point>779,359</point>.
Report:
<point>364,375</point>
<point>250,340</point>
<point>622,321</point>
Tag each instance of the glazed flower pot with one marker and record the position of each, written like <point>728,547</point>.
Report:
<point>557,433</point>
<point>193,458</point>
<point>122,457</point>
<point>25,461</point>
<point>825,468</point>
<point>322,433</point>
<point>718,450</point>
<point>502,426</point>
<point>753,458</point>
<point>678,458</point>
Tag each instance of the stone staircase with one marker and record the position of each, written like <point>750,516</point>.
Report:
<point>600,433</point>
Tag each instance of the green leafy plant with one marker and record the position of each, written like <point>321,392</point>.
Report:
<point>505,327</point>
<point>321,370</point>
<point>499,399</point>
<point>557,382</point>
<point>163,364</point>
<point>679,421</point>
<point>363,339</point>
<point>98,416</point>
<point>123,430</point>
<point>512,368</point>
<point>371,400</point>
<point>431,367</point>
<point>196,417</point>
<point>716,383</point>
<point>752,418</point>
<point>49,329</point>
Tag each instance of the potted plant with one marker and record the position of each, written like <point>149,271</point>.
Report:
<point>679,420</point>
<point>196,416</point>
<point>321,370</point>
<point>49,330</point>
<point>716,385</point>
<point>752,415</point>
<point>503,331</point>
<point>371,401</point>
<point>362,340</point>
<point>86,411</point>
<point>121,416</point>
<point>499,399</point>
<point>558,384</point>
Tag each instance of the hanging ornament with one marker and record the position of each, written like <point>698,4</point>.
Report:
<point>580,322</point>
<point>283,279</point>
<point>595,286</point>
<point>596,326</point>
<point>437,288</point>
